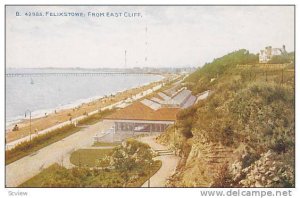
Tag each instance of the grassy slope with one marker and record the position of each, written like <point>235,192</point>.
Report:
<point>247,101</point>
<point>250,105</point>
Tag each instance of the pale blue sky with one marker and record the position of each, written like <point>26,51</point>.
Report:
<point>177,36</point>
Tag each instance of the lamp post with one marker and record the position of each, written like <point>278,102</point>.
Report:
<point>29,121</point>
<point>175,139</point>
<point>113,133</point>
<point>149,174</point>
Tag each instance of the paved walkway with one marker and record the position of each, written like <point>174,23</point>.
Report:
<point>169,163</point>
<point>58,152</point>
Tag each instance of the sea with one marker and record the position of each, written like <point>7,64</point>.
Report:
<point>46,93</point>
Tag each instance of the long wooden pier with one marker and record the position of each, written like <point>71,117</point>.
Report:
<point>76,74</point>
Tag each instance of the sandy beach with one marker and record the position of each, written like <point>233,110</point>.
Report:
<point>39,124</point>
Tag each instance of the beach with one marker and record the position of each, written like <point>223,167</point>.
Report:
<point>60,116</point>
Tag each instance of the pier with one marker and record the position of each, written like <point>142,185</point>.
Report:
<point>77,74</point>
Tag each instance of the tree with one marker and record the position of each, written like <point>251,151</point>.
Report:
<point>131,158</point>
<point>279,59</point>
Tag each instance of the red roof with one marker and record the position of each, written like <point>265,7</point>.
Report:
<point>139,111</point>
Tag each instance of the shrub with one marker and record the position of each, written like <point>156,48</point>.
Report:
<point>280,59</point>
<point>223,179</point>
<point>185,122</point>
<point>279,146</point>
<point>248,159</point>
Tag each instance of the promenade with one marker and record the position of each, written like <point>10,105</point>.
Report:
<point>58,152</point>
<point>138,96</point>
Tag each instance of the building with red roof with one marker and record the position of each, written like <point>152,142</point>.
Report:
<point>154,114</point>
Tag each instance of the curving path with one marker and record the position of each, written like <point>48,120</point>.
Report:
<point>169,163</point>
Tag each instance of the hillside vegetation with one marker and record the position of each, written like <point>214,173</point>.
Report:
<point>128,165</point>
<point>283,58</point>
<point>243,134</point>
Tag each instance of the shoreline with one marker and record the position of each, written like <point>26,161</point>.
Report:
<point>19,119</point>
<point>79,110</point>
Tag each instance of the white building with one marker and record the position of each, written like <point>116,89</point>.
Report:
<point>266,54</point>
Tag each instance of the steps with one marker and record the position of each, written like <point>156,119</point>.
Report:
<point>164,152</point>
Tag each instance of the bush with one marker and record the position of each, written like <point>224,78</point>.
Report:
<point>265,113</point>
<point>131,155</point>
<point>185,121</point>
<point>280,146</point>
<point>280,59</point>
<point>248,159</point>
<point>223,179</point>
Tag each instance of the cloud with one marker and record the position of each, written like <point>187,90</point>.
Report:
<point>177,35</point>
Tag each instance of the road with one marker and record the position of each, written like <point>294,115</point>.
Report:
<point>58,152</point>
<point>169,163</point>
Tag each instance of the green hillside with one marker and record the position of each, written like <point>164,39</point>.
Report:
<point>249,114</point>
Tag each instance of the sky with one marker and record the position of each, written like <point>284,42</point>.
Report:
<point>177,36</point>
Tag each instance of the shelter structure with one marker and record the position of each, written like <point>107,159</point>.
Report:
<point>152,114</point>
